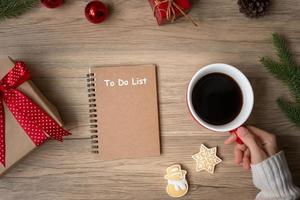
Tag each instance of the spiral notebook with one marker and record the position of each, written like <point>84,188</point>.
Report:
<point>124,112</point>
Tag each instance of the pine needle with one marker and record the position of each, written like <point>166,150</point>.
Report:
<point>14,8</point>
<point>287,71</point>
<point>291,77</point>
<point>291,110</point>
<point>275,68</point>
<point>283,51</point>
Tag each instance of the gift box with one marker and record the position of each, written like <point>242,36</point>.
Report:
<point>25,115</point>
<point>166,11</point>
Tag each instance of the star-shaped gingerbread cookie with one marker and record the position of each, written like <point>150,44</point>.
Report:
<point>206,159</point>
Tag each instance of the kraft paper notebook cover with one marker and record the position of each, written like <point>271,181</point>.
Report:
<point>124,112</point>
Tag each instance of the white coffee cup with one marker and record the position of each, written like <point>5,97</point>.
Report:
<point>240,79</point>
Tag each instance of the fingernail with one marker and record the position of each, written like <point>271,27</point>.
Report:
<point>241,132</point>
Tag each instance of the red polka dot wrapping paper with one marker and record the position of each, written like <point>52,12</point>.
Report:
<point>22,139</point>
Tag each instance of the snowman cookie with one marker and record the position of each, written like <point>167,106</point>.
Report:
<point>177,184</point>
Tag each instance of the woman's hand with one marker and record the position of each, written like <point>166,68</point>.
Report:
<point>258,146</point>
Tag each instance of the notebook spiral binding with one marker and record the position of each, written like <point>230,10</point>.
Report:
<point>93,112</point>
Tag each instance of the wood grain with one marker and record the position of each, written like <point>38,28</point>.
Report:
<point>59,45</point>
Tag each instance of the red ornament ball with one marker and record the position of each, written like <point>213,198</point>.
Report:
<point>52,3</point>
<point>96,12</point>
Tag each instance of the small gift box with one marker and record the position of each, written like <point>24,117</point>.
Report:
<point>167,11</point>
<point>27,118</point>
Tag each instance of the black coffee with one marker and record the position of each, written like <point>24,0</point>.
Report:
<point>217,98</point>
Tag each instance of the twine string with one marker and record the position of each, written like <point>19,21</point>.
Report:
<point>170,11</point>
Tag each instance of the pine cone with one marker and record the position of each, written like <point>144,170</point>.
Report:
<point>253,8</point>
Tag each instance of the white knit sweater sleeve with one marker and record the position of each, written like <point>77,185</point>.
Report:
<point>273,178</point>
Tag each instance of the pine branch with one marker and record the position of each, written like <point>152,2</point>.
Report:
<point>291,110</point>
<point>285,70</point>
<point>283,51</point>
<point>276,69</point>
<point>290,77</point>
<point>14,8</point>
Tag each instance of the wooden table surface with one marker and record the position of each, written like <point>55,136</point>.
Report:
<point>59,45</point>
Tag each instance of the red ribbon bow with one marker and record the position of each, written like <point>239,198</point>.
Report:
<point>36,122</point>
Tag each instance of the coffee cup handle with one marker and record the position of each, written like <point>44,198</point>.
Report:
<point>238,139</point>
